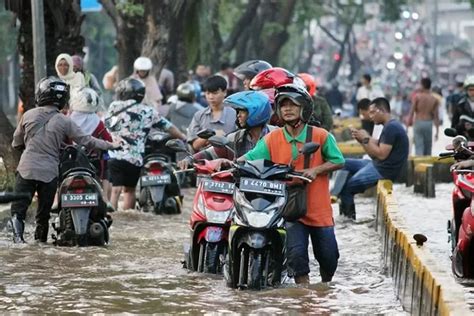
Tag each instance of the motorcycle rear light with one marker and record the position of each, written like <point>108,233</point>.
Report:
<point>78,184</point>
<point>154,168</point>
<point>218,200</point>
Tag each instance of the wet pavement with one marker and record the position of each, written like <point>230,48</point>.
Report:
<point>140,272</point>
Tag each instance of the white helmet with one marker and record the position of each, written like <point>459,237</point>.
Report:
<point>143,63</point>
<point>469,81</point>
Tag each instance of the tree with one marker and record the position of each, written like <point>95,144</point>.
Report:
<point>129,22</point>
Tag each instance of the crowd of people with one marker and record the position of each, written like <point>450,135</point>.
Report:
<point>265,112</point>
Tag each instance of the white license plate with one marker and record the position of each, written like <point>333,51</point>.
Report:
<point>155,180</point>
<point>217,186</point>
<point>262,186</point>
<point>79,199</point>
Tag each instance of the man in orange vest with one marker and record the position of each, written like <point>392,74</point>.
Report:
<point>294,107</point>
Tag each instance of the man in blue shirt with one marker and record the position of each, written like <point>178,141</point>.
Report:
<point>388,154</point>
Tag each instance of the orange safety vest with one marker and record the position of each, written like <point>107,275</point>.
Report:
<point>319,201</point>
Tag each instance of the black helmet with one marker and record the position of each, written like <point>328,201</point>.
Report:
<point>298,95</point>
<point>130,89</point>
<point>186,92</point>
<point>250,69</point>
<point>52,91</point>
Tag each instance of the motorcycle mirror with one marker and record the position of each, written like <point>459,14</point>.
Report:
<point>177,145</point>
<point>218,141</point>
<point>459,141</point>
<point>309,148</point>
<point>451,132</point>
<point>206,133</point>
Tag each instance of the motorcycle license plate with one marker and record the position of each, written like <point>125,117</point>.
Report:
<point>217,186</point>
<point>262,186</point>
<point>79,199</point>
<point>155,180</point>
<point>214,234</point>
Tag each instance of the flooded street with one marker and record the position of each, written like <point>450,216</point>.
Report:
<point>140,272</point>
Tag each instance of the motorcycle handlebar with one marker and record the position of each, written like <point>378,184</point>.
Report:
<point>299,177</point>
<point>183,171</point>
<point>446,154</point>
<point>222,171</point>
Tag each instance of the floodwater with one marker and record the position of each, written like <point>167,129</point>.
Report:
<point>141,272</point>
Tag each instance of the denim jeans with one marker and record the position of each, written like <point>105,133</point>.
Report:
<point>362,175</point>
<point>324,248</point>
<point>423,131</point>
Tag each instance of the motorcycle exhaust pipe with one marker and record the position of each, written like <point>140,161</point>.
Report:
<point>96,230</point>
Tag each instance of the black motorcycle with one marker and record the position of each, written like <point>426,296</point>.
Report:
<point>82,218</point>
<point>257,238</point>
<point>160,190</point>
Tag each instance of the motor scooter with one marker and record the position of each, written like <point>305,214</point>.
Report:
<point>212,211</point>
<point>459,227</point>
<point>160,190</point>
<point>257,240</point>
<point>82,212</point>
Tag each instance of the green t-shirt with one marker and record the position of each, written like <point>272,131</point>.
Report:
<point>330,151</point>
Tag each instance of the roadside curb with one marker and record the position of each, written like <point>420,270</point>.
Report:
<point>420,284</point>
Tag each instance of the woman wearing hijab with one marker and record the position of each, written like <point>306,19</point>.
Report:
<point>64,69</point>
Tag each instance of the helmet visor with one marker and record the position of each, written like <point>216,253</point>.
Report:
<point>293,96</point>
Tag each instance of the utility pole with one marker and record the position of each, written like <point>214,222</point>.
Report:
<point>39,53</point>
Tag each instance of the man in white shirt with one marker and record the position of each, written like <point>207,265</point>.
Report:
<point>367,90</point>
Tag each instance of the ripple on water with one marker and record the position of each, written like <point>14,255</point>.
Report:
<point>140,272</point>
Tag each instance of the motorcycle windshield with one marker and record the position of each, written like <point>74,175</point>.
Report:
<point>263,169</point>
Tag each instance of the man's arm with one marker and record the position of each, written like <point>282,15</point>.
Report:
<point>376,151</point>
<point>19,136</point>
<point>75,133</point>
<point>411,115</point>
<point>372,148</point>
<point>333,159</point>
<point>436,118</point>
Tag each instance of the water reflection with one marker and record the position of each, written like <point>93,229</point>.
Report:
<point>140,272</point>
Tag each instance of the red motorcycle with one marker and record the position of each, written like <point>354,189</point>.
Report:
<point>460,227</point>
<point>211,216</point>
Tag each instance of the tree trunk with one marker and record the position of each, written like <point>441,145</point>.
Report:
<point>130,34</point>
<point>63,20</point>
<point>25,49</point>
<point>283,15</point>
<point>155,46</point>
<point>177,59</point>
<point>354,60</point>
<point>10,156</point>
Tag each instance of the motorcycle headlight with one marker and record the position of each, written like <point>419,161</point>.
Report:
<point>260,219</point>
<point>218,217</point>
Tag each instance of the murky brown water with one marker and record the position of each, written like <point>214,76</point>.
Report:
<point>140,272</point>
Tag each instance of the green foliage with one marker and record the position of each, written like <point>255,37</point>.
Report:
<point>8,33</point>
<point>130,8</point>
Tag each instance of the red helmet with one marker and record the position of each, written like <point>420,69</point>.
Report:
<point>271,78</point>
<point>309,81</point>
